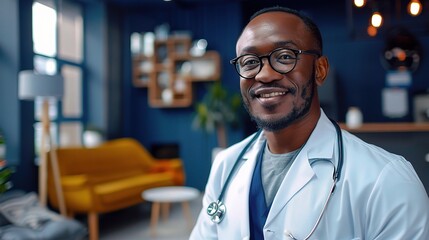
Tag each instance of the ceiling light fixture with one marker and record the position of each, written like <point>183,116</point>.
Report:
<point>359,3</point>
<point>376,19</point>
<point>414,7</point>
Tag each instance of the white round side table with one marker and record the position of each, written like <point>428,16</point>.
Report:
<point>163,196</point>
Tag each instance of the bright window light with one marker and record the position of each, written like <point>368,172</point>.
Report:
<point>44,30</point>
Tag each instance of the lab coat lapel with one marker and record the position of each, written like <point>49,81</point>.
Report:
<point>319,145</point>
<point>298,176</point>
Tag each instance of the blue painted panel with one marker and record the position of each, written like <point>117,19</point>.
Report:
<point>9,65</point>
<point>153,125</point>
<point>355,58</point>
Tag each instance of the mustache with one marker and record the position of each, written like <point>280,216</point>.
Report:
<point>291,90</point>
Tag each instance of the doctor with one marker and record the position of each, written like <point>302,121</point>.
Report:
<point>301,177</point>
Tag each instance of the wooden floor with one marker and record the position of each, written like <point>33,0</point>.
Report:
<point>134,223</point>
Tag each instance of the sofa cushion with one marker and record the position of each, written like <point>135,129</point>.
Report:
<point>113,156</point>
<point>120,190</point>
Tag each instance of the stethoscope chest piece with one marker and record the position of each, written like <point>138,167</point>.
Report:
<point>216,210</point>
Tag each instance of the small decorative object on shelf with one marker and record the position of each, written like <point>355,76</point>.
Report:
<point>92,136</point>
<point>199,48</point>
<point>354,117</point>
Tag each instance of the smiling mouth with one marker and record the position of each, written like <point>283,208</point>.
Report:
<point>270,95</point>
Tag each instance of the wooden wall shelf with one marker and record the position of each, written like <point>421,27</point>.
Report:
<point>388,127</point>
<point>170,72</point>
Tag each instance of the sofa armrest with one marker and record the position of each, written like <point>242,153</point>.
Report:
<point>174,166</point>
<point>162,165</point>
<point>74,182</point>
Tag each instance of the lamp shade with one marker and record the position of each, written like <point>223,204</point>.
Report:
<point>32,85</point>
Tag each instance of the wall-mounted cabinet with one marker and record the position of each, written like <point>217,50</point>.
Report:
<point>170,72</point>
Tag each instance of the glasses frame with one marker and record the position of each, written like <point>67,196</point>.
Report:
<point>297,52</point>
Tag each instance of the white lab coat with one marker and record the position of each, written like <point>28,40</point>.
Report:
<point>378,196</point>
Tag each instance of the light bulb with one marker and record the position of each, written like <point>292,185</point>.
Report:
<point>376,19</point>
<point>371,30</point>
<point>414,7</point>
<point>359,3</point>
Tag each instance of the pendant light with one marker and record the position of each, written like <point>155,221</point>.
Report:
<point>376,19</point>
<point>414,7</point>
<point>359,3</point>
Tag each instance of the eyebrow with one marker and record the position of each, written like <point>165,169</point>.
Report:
<point>285,44</point>
<point>278,44</point>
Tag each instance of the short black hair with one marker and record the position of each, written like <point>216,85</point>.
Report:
<point>311,25</point>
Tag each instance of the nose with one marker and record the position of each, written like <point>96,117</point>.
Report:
<point>267,73</point>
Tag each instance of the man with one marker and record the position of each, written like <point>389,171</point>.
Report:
<point>278,185</point>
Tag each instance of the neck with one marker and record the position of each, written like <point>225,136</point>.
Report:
<point>295,135</point>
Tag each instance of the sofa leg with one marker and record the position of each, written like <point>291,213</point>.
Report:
<point>70,214</point>
<point>93,225</point>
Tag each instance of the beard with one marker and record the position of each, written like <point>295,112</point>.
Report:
<point>273,125</point>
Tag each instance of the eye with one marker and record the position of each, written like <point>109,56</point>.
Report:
<point>248,62</point>
<point>284,56</point>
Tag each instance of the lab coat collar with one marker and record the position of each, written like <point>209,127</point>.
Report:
<point>324,134</point>
<point>320,145</point>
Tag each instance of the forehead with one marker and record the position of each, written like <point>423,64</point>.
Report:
<point>274,29</point>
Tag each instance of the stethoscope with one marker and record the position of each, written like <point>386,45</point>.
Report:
<point>217,209</point>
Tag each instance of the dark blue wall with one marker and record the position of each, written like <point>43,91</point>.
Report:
<point>112,101</point>
<point>9,59</point>
<point>95,91</point>
<point>357,61</point>
<point>16,121</point>
<point>158,125</point>
<point>355,57</point>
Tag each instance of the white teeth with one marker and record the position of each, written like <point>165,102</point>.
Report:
<point>273,94</point>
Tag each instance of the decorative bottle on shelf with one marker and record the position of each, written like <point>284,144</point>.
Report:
<point>354,117</point>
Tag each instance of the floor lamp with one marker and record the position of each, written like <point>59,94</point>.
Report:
<point>31,86</point>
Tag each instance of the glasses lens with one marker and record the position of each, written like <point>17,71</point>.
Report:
<point>283,60</point>
<point>248,66</point>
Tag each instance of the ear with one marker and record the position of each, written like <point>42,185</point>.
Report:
<point>322,70</point>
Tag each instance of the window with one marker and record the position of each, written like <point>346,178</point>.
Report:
<point>58,48</point>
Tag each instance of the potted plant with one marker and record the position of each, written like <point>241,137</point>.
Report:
<point>5,174</point>
<point>216,111</point>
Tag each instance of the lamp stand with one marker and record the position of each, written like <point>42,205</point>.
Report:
<point>47,143</point>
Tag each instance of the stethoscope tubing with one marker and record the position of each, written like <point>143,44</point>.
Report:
<point>240,156</point>
<point>337,174</point>
<point>218,205</point>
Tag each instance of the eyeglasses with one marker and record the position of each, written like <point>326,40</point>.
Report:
<point>282,60</point>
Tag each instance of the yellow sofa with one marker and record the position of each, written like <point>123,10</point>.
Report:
<point>109,177</point>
